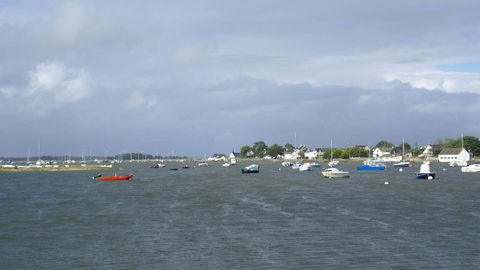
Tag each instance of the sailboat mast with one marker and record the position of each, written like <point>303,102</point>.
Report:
<point>331,150</point>
<point>403,146</point>
<point>295,139</point>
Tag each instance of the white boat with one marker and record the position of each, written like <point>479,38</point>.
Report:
<point>333,172</point>
<point>457,163</point>
<point>333,163</point>
<point>296,166</point>
<point>201,164</point>
<point>233,161</point>
<point>287,164</point>
<point>226,164</point>
<point>471,168</point>
<point>305,167</point>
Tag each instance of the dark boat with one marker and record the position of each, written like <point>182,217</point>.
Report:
<point>425,175</point>
<point>425,172</point>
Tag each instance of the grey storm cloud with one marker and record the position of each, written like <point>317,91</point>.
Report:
<point>205,76</point>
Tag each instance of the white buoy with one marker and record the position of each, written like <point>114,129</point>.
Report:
<point>400,170</point>
<point>386,183</point>
<point>430,177</point>
<point>444,169</point>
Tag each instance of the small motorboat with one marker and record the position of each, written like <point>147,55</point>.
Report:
<point>371,165</point>
<point>202,164</point>
<point>173,169</point>
<point>425,172</point>
<point>333,163</point>
<point>314,165</point>
<point>226,164</point>
<point>287,164</point>
<point>403,164</point>
<point>116,177</point>
<point>335,173</point>
<point>186,167</point>
<point>471,168</point>
<point>304,167</point>
<point>254,168</point>
<point>296,166</point>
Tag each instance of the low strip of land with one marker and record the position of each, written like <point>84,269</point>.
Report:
<point>55,169</point>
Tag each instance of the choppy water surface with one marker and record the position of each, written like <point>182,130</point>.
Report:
<point>215,217</point>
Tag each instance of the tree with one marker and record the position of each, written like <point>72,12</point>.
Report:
<point>356,152</point>
<point>451,143</point>
<point>472,144</point>
<point>384,144</point>
<point>259,149</point>
<point>337,153</point>
<point>407,146</point>
<point>416,152</point>
<point>244,151</point>
<point>275,150</point>
<point>289,147</point>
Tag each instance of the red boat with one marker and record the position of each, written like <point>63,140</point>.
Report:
<point>108,178</point>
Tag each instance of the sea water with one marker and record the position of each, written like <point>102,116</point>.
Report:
<point>216,217</point>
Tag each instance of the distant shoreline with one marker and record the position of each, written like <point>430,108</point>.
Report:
<point>58,169</point>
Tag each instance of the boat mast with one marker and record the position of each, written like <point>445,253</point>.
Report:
<point>403,146</point>
<point>331,150</point>
<point>295,139</point>
<point>462,140</point>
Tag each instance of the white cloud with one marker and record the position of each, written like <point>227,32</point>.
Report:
<point>450,82</point>
<point>63,84</point>
<point>46,77</point>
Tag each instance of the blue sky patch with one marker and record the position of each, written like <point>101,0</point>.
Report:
<point>461,67</point>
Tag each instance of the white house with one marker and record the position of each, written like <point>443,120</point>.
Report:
<point>292,155</point>
<point>454,155</point>
<point>313,154</point>
<point>428,150</point>
<point>379,152</point>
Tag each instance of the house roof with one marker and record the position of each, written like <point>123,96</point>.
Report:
<point>398,149</point>
<point>384,149</point>
<point>451,151</point>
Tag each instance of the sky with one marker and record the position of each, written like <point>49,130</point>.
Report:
<point>201,77</point>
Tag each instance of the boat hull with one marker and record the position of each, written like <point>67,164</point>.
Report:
<point>425,175</point>
<point>115,178</point>
<point>250,171</point>
<point>336,175</point>
<point>370,168</point>
<point>403,165</point>
<point>472,169</point>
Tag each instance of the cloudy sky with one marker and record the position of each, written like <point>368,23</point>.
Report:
<point>201,77</point>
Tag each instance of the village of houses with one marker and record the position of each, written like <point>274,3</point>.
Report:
<point>453,156</point>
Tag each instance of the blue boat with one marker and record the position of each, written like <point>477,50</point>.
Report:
<point>370,165</point>
<point>254,168</point>
<point>403,164</point>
